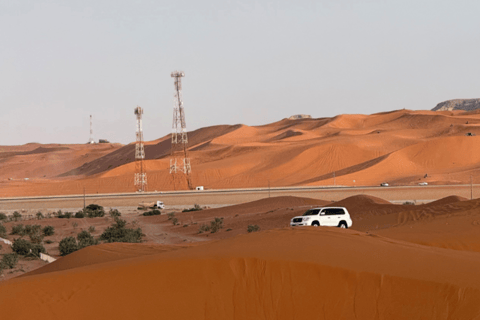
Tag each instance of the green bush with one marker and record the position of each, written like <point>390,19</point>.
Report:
<point>67,246</point>
<point>3,216</point>
<point>36,249</point>
<point>85,239</point>
<point>175,221</point>
<point>196,207</point>
<point>118,233</point>
<point>80,214</point>
<point>171,215</point>
<point>91,229</point>
<point>94,210</point>
<point>3,231</point>
<point>32,229</point>
<point>48,231</point>
<point>114,213</point>
<point>18,229</point>
<point>39,215</point>
<point>66,215</point>
<point>203,228</point>
<point>34,232</point>
<point>154,212</point>
<point>216,225</point>
<point>9,261</point>
<point>22,246</point>
<point>253,228</point>
<point>17,216</point>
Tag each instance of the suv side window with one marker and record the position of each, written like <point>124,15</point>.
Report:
<point>339,211</point>
<point>329,212</point>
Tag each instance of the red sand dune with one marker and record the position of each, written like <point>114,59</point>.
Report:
<point>306,273</point>
<point>404,147</point>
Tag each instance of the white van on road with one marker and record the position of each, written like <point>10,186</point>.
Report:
<point>326,216</point>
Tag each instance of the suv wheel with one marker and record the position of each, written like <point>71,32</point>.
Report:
<point>343,225</point>
<point>315,224</point>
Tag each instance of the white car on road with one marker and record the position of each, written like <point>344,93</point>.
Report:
<point>325,216</point>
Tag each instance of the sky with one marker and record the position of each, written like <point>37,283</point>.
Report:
<point>249,62</point>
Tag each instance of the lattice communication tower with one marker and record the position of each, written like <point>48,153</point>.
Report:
<point>90,140</point>
<point>140,170</point>
<point>179,132</point>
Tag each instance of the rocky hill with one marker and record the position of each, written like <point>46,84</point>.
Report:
<point>458,104</point>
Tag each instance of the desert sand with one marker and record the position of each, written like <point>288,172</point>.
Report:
<point>401,147</point>
<point>396,262</point>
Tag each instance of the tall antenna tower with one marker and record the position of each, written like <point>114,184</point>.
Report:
<point>179,132</point>
<point>90,140</point>
<point>140,170</point>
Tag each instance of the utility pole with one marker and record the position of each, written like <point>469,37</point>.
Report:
<point>84,202</point>
<point>91,140</point>
<point>179,133</point>
<point>140,171</point>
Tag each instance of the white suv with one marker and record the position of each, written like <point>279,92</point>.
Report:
<point>327,216</point>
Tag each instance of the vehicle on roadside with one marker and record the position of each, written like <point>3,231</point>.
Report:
<point>152,205</point>
<point>325,216</point>
<point>423,184</point>
<point>383,184</point>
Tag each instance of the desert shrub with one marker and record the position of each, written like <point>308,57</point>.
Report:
<point>85,239</point>
<point>185,225</point>
<point>3,230</point>
<point>22,246</point>
<point>67,245</point>
<point>36,235</point>
<point>74,225</point>
<point>91,229</point>
<point>32,229</point>
<point>36,250</point>
<point>66,215</point>
<point>216,225</point>
<point>3,216</point>
<point>118,233</point>
<point>18,229</point>
<point>48,231</point>
<point>253,228</point>
<point>9,261</point>
<point>196,207</point>
<point>114,213</point>
<point>203,228</point>
<point>80,214</point>
<point>229,229</point>
<point>154,212</point>
<point>39,215</point>
<point>48,241</point>
<point>17,216</point>
<point>409,203</point>
<point>175,221</point>
<point>171,215</point>
<point>94,210</point>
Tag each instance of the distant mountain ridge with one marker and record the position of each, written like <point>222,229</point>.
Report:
<point>458,104</point>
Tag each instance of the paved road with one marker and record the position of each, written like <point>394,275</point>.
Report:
<point>235,196</point>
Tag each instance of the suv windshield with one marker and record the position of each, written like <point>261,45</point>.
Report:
<point>313,212</point>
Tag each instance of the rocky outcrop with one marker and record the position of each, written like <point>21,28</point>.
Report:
<point>300,116</point>
<point>458,104</point>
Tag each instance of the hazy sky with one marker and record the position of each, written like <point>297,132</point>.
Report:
<point>250,62</point>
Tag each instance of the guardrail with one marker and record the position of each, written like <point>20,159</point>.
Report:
<point>46,257</point>
<point>6,241</point>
